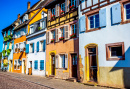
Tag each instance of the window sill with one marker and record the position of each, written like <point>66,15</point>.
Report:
<point>125,22</point>
<point>115,59</point>
<point>94,29</point>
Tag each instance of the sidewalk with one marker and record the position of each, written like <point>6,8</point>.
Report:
<point>51,83</point>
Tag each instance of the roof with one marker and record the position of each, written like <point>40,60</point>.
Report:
<point>51,2</point>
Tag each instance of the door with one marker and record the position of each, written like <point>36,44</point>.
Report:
<point>74,65</point>
<point>53,64</point>
<point>92,64</point>
<point>30,69</point>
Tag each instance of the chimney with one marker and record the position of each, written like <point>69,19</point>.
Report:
<point>28,6</point>
<point>18,16</point>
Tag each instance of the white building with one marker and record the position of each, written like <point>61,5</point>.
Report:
<point>104,42</point>
<point>36,46</point>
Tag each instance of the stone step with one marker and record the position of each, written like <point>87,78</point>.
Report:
<point>72,79</point>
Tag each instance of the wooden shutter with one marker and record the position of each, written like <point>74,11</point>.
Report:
<point>45,22</point>
<point>27,48</point>
<point>82,22</point>
<point>66,32</point>
<point>44,45</point>
<point>116,14</point>
<point>57,35</point>
<point>66,60</point>
<point>56,61</point>
<point>37,46</point>
<point>49,14</point>
<point>68,7</point>
<point>102,17</point>
<point>65,5</point>
<point>48,37</point>
<point>77,29</point>
<point>77,3</point>
<point>55,10</point>
<point>58,10</point>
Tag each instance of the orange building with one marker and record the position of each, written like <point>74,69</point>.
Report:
<point>62,50</point>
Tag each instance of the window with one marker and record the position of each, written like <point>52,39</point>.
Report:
<point>73,29</point>
<point>41,64</point>
<point>42,14</point>
<point>63,60</point>
<point>63,7</point>
<point>74,59</point>
<point>127,11</point>
<point>10,45</point>
<point>18,64</point>
<point>53,34</point>
<point>94,21</point>
<point>15,64</point>
<point>115,51</point>
<point>36,64</point>
<point>31,48</point>
<point>43,24</point>
<point>53,11</point>
<point>41,45</point>
<point>62,31</point>
<point>31,29</point>
<point>73,2</point>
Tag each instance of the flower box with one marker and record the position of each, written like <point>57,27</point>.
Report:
<point>62,13</point>
<point>61,38</point>
<point>73,35</point>
<point>52,40</point>
<point>39,28</point>
<point>52,17</point>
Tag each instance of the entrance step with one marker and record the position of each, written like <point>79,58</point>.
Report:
<point>72,79</point>
<point>91,83</point>
<point>51,76</point>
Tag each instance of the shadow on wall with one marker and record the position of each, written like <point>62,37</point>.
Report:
<point>125,70</point>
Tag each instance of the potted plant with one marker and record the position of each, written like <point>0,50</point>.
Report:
<point>72,7</point>
<point>39,28</point>
<point>9,37</point>
<point>5,38</point>
<point>5,64</point>
<point>62,13</point>
<point>4,52</point>
<point>52,17</point>
<point>61,38</point>
<point>73,35</point>
<point>8,51</point>
<point>52,40</point>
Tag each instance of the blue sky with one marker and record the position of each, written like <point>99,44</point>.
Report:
<point>9,11</point>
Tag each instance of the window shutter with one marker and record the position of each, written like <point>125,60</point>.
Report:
<point>82,22</point>
<point>44,45</point>
<point>56,10</point>
<point>66,60</point>
<point>57,37</point>
<point>102,17</point>
<point>66,32</point>
<point>45,23</point>
<point>77,29</point>
<point>27,48</point>
<point>8,32</point>
<point>65,5</point>
<point>68,6</point>
<point>49,14</point>
<point>41,64</point>
<point>12,45</point>
<point>77,3</point>
<point>3,46</point>
<point>116,14</point>
<point>56,61</point>
<point>48,38</point>
<point>37,46</point>
<point>33,48</point>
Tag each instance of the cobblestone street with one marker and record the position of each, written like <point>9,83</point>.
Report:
<point>20,81</point>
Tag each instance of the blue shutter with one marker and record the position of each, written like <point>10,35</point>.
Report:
<point>102,17</point>
<point>12,45</point>
<point>27,48</point>
<point>37,46</point>
<point>8,45</point>
<point>8,32</point>
<point>116,14</point>
<point>33,48</point>
<point>36,64</point>
<point>82,23</point>
<point>41,64</point>
<point>44,45</point>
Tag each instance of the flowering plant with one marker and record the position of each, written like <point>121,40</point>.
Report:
<point>62,12</point>
<point>73,35</point>
<point>52,40</point>
<point>53,16</point>
<point>61,38</point>
<point>72,7</point>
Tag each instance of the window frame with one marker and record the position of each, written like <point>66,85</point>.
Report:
<point>53,35</point>
<point>41,45</point>
<point>62,6</point>
<point>31,26</point>
<point>125,12</point>
<point>94,21</point>
<point>74,3</point>
<point>63,67</point>
<point>108,57</point>
<point>75,29</point>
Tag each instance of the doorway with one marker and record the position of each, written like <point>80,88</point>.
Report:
<point>53,64</point>
<point>23,67</point>
<point>74,65</point>
<point>30,69</point>
<point>92,64</point>
<point>10,66</point>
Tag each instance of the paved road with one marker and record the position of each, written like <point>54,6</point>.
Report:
<point>21,81</point>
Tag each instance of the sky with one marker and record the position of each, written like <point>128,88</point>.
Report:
<point>9,11</point>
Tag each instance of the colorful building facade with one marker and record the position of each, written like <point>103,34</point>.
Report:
<point>62,39</point>
<point>104,42</point>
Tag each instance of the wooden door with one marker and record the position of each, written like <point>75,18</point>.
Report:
<point>93,67</point>
<point>74,65</point>
<point>53,64</point>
